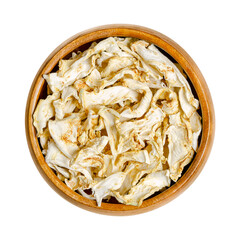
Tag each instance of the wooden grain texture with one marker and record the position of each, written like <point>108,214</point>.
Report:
<point>194,74</point>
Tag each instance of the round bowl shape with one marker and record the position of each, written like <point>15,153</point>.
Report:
<point>82,41</point>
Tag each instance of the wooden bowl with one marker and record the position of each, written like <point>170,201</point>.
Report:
<point>81,41</point>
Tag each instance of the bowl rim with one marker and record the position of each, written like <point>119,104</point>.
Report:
<point>196,78</point>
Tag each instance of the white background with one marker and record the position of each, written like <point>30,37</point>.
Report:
<point>208,31</point>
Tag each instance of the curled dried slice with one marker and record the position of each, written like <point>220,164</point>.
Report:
<point>65,64</point>
<point>55,156</point>
<point>140,108</point>
<point>167,100</point>
<point>131,170</point>
<point>63,171</point>
<point>136,156</point>
<point>64,132</point>
<point>154,58</point>
<point>68,102</point>
<point>44,138</point>
<point>92,149</point>
<point>108,45</point>
<point>108,96</point>
<point>63,107</point>
<point>79,69</point>
<point>90,157</point>
<point>175,119</point>
<point>180,150</point>
<point>104,56</point>
<point>110,117</point>
<point>107,166</point>
<point>94,79</point>
<point>115,64</point>
<point>152,183</point>
<point>44,112</point>
<point>196,126</point>
<point>133,133</point>
<point>110,80</point>
<point>69,92</point>
<point>154,151</point>
<point>105,187</point>
<point>153,116</point>
<point>188,108</point>
<point>91,121</point>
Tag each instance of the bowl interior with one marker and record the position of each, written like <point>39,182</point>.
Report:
<point>43,95</point>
